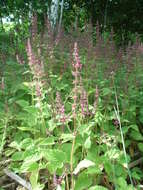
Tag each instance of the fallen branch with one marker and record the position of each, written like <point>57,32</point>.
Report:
<point>18,179</point>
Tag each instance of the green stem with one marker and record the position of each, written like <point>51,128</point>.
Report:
<point>122,137</point>
<point>72,153</point>
<point>3,137</point>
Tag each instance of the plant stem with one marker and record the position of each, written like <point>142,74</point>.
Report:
<point>67,182</point>
<point>122,137</point>
<point>72,153</point>
<point>3,137</point>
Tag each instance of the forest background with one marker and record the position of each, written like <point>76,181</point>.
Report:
<point>71,94</point>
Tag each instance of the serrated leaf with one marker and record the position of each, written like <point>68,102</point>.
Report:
<point>83,182</point>
<point>82,165</point>
<point>46,141</point>
<point>26,143</point>
<point>136,135</point>
<point>28,162</point>
<point>15,145</point>
<point>55,158</point>
<point>66,137</point>
<point>84,129</point>
<point>9,152</point>
<point>113,153</point>
<point>17,156</point>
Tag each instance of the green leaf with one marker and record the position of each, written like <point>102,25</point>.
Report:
<point>135,127</point>
<point>28,162</point>
<point>120,170</point>
<point>34,166</point>
<point>34,178</point>
<point>95,169</point>
<point>9,152</point>
<point>87,143</point>
<point>28,128</point>
<point>46,141</point>
<point>66,137</point>
<point>83,182</point>
<point>51,125</point>
<point>113,154</point>
<point>140,146</point>
<point>66,147</point>
<point>121,182</point>
<point>17,156</point>
<point>85,129</point>
<point>22,103</point>
<point>136,135</point>
<point>83,164</point>
<point>15,145</point>
<point>26,143</point>
<point>137,173</point>
<point>56,158</point>
<point>97,187</point>
<point>106,91</point>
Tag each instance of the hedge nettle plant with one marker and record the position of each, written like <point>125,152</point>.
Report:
<point>73,121</point>
<point>67,135</point>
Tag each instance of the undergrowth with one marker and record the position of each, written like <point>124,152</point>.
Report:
<point>71,114</point>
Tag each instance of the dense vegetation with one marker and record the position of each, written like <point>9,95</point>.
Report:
<point>71,97</point>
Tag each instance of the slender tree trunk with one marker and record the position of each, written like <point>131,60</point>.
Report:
<point>61,16</point>
<point>105,14</point>
<point>93,12</point>
<point>54,12</point>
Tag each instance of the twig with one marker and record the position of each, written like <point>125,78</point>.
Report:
<point>8,185</point>
<point>136,162</point>
<point>18,179</point>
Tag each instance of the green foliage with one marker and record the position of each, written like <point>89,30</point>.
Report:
<point>53,148</point>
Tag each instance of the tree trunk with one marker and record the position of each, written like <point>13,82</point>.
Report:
<point>93,12</point>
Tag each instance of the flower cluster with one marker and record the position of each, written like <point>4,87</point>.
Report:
<point>60,110</point>
<point>84,103</point>
<point>36,65</point>
<point>77,65</point>
<point>37,68</point>
<point>76,73</point>
<point>57,180</point>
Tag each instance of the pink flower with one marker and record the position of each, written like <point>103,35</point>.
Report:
<point>77,64</point>
<point>60,110</point>
<point>84,103</point>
